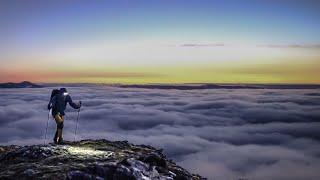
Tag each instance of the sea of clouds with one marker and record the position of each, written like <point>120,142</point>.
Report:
<point>218,133</point>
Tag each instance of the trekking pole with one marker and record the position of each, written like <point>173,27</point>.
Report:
<point>75,131</point>
<point>45,135</point>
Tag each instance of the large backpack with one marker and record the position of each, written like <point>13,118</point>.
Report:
<point>54,93</point>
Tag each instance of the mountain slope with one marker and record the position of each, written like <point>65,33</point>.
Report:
<point>88,159</point>
<point>24,84</point>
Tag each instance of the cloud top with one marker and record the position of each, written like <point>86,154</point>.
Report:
<point>219,133</point>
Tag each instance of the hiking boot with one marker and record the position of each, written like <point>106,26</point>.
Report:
<point>60,141</point>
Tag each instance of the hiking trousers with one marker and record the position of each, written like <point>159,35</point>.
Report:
<point>59,121</point>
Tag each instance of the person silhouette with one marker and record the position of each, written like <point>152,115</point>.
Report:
<point>58,103</point>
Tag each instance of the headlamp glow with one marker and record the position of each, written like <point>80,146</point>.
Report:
<point>82,151</point>
<point>65,93</point>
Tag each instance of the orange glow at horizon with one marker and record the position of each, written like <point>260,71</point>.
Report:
<point>153,63</point>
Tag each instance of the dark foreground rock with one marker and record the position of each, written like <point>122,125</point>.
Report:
<point>88,159</point>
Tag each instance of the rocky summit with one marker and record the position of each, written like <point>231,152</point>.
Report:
<point>89,159</point>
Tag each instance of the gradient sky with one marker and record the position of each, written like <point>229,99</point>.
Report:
<point>167,41</point>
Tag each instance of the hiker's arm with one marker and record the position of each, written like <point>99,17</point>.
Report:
<point>72,104</point>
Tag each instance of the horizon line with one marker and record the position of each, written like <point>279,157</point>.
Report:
<point>165,83</point>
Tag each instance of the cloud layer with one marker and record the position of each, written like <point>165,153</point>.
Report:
<point>221,134</point>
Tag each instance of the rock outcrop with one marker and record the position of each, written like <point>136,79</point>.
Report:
<point>88,159</point>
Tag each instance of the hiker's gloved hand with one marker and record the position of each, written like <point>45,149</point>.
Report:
<point>49,107</point>
<point>80,104</point>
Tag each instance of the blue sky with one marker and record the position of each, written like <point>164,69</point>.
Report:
<point>257,21</point>
<point>34,29</point>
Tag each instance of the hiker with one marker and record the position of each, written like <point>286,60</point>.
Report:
<point>58,103</point>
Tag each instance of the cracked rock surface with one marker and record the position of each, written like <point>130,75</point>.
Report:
<point>89,159</point>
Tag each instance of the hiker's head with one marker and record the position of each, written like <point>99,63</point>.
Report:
<point>63,91</point>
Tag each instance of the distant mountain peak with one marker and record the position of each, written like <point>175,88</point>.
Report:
<point>23,84</point>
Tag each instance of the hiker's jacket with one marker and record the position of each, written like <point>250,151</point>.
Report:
<point>59,103</point>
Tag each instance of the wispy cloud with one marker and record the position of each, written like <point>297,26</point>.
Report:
<point>307,46</point>
<point>202,45</point>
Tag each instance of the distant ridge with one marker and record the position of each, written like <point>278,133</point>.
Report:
<point>23,84</point>
<point>221,86</point>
